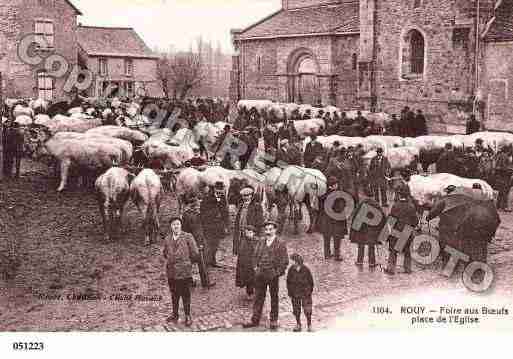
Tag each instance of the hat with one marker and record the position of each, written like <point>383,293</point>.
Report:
<point>284,141</point>
<point>336,143</point>
<point>219,186</point>
<point>448,145</point>
<point>379,150</point>
<point>450,188</point>
<point>332,181</point>
<point>249,227</point>
<point>297,258</point>
<point>247,190</point>
<point>189,197</point>
<point>270,223</point>
<point>175,218</point>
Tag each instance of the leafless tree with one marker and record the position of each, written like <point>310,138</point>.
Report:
<point>181,72</point>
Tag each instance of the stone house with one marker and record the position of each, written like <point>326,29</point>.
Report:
<point>54,25</point>
<point>120,62</point>
<point>445,57</point>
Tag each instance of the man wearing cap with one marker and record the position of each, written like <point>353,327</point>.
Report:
<point>406,214</point>
<point>214,219</point>
<point>191,223</point>
<point>503,172</point>
<point>249,212</point>
<point>379,169</point>
<point>271,262</point>
<point>332,220</point>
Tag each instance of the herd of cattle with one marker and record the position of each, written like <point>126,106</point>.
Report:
<point>80,140</point>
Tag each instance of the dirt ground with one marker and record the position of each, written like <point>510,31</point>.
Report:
<point>59,253</point>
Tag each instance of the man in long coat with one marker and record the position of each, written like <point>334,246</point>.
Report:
<point>191,223</point>
<point>271,261</point>
<point>379,169</point>
<point>420,124</point>
<point>12,148</point>
<point>503,173</point>
<point>249,212</point>
<point>214,219</point>
<point>367,235</point>
<point>447,162</point>
<point>332,220</point>
<point>312,150</point>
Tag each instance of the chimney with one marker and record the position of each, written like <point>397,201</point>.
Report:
<point>285,4</point>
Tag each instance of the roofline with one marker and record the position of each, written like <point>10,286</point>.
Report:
<point>106,27</point>
<point>269,37</point>
<point>118,54</point>
<point>260,21</point>
<point>74,7</point>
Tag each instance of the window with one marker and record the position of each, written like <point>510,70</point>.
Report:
<point>460,38</point>
<point>129,89</point>
<point>413,55</point>
<point>259,64</point>
<point>417,52</point>
<point>43,31</point>
<point>129,67</point>
<point>102,66</point>
<point>44,85</point>
<point>355,61</point>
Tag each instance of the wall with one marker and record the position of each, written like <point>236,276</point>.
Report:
<point>65,40</point>
<point>347,77</point>
<point>261,85</point>
<point>448,74</point>
<point>497,82</point>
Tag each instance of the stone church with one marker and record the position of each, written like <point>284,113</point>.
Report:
<point>446,57</point>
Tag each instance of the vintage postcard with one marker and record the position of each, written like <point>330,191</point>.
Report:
<point>254,166</point>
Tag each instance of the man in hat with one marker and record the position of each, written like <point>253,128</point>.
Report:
<point>379,170</point>
<point>288,154</point>
<point>196,161</point>
<point>13,139</point>
<point>191,223</point>
<point>214,219</point>
<point>406,214</point>
<point>332,220</point>
<point>420,124</point>
<point>503,172</point>
<point>249,212</point>
<point>271,262</point>
<point>312,150</point>
<point>447,161</point>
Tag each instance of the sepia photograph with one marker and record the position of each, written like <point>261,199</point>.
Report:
<point>255,166</point>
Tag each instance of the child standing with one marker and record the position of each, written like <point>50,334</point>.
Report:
<point>300,287</point>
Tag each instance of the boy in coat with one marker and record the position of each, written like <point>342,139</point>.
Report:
<point>245,271</point>
<point>300,287</point>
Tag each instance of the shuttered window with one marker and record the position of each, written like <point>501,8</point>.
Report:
<point>45,85</point>
<point>43,31</point>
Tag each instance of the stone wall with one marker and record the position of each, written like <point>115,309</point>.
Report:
<point>497,82</point>
<point>447,83</point>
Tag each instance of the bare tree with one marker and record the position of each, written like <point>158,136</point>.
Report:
<point>181,72</point>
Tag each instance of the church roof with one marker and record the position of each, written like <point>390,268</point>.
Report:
<point>329,19</point>
<point>112,41</point>
<point>500,28</point>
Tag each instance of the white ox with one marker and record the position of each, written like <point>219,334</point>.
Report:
<point>399,157</point>
<point>146,192</point>
<point>293,185</point>
<point>61,123</point>
<point>174,150</point>
<point>427,189</point>
<point>112,191</point>
<point>134,136</point>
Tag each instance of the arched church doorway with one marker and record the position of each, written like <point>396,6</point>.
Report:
<point>304,87</point>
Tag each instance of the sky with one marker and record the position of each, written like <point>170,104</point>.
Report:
<point>177,23</point>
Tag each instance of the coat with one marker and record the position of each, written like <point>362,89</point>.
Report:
<point>291,156</point>
<point>327,223</point>
<point>214,216</point>
<point>255,217</point>
<point>300,283</point>
<point>245,270</point>
<point>312,150</point>
<point>405,213</point>
<point>447,162</point>
<point>368,235</point>
<point>279,260</point>
<point>191,223</point>
<point>379,169</point>
<point>180,255</point>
